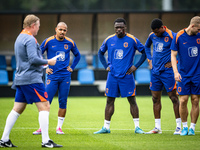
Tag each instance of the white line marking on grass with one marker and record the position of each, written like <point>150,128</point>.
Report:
<point>19,128</point>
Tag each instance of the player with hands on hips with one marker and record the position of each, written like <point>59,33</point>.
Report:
<point>121,48</point>
<point>59,46</point>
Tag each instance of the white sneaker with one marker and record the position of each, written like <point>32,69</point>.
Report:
<point>177,131</point>
<point>59,131</point>
<point>154,131</point>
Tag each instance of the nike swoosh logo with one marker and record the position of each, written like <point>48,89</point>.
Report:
<point>185,43</point>
<point>40,96</point>
<point>112,44</point>
<point>8,145</point>
<point>53,46</point>
<point>49,146</point>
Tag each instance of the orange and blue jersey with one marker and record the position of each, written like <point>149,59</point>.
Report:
<point>161,50</point>
<point>54,47</point>
<point>121,52</point>
<point>188,48</point>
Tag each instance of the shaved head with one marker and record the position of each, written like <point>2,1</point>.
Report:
<point>194,27</point>
<point>61,24</point>
<point>61,31</point>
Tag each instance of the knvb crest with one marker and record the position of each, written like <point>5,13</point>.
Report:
<point>198,41</point>
<point>66,46</point>
<point>126,44</point>
<point>166,39</point>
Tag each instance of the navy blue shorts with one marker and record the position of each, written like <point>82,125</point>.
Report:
<point>164,79</point>
<point>31,93</point>
<point>116,87</point>
<point>62,85</point>
<point>190,85</point>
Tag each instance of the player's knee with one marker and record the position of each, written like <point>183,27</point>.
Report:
<point>43,106</point>
<point>48,107</point>
<point>183,102</point>
<point>132,100</point>
<point>174,99</point>
<point>110,101</point>
<point>155,99</point>
<point>195,102</point>
<point>63,105</point>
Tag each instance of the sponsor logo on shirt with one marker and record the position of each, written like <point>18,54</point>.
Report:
<point>193,51</point>
<point>118,54</point>
<point>62,57</point>
<point>158,47</point>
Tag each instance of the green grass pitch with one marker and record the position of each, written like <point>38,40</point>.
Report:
<point>85,115</point>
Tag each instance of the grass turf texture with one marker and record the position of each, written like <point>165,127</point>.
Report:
<point>85,115</point>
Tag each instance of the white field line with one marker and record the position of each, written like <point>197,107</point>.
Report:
<point>20,128</point>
